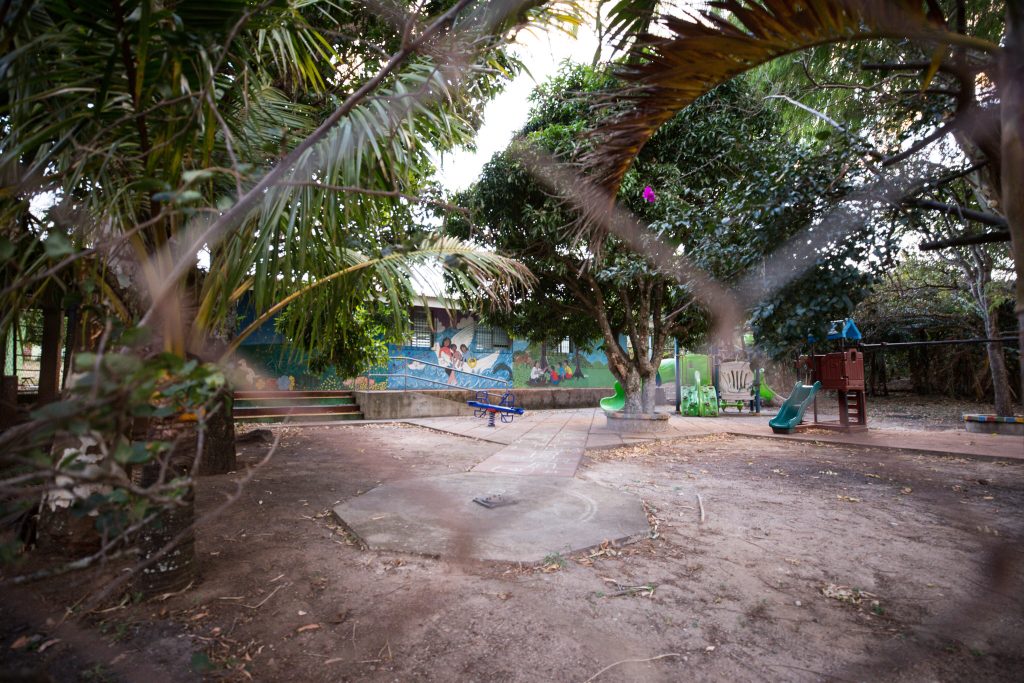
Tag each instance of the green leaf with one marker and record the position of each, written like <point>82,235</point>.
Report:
<point>122,364</point>
<point>136,452</point>
<point>58,410</point>
<point>57,245</point>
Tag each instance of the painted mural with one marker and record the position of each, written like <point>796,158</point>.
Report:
<point>452,350</point>
<point>549,365</point>
<point>459,356</point>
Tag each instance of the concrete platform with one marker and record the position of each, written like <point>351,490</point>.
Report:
<point>436,516</point>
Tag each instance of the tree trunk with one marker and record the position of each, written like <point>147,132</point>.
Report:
<point>997,366</point>
<point>578,371</point>
<point>219,456</point>
<point>1012,119</point>
<point>543,355</point>
<point>176,567</point>
<point>633,386</point>
<point>650,395</point>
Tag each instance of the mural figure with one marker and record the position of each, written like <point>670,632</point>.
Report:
<point>446,359</point>
<point>536,374</point>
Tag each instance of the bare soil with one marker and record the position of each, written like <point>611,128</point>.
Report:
<point>811,563</point>
<point>910,411</point>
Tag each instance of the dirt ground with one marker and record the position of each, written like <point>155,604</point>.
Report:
<point>811,563</point>
<point>909,411</point>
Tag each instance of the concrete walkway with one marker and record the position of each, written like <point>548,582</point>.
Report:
<point>552,442</point>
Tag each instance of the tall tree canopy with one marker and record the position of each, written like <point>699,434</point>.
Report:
<point>728,187</point>
<point>965,57</point>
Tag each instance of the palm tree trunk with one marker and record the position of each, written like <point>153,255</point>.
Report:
<point>219,455</point>
<point>170,536</point>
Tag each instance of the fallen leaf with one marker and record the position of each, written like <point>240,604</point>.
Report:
<point>47,644</point>
<point>849,499</point>
<point>21,642</point>
<point>307,627</point>
<point>905,490</point>
<point>199,616</point>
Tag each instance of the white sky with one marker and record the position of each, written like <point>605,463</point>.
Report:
<point>542,53</point>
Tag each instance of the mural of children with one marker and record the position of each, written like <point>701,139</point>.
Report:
<point>446,358</point>
<point>464,357</point>
<point>554,376</point>
<point>536,374</point>
<point>566,370</point>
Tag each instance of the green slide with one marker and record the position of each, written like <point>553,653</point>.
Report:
<point>666,373</point>
<point>792,411</point>
<point>616,402</point>
<point>767,393</point>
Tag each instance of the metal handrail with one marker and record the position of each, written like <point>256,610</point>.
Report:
<point>406,375</point>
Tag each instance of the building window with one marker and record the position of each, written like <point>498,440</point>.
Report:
<point>488,337</point>
<point>564,346</point>
<point>422,335</point>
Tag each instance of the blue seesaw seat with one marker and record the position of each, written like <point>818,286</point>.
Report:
<point>485,405</point>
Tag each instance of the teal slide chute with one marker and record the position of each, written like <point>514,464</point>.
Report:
<point>792,411</point>
<point>616,402</point>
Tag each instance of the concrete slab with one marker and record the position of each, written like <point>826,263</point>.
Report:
<point>436,516</point>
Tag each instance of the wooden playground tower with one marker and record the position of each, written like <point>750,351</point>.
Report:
<point>843,373</point>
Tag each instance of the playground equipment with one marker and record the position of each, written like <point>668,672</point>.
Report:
<point>765,393</point>
<point>791,414</point>
<point>505,407</point>
<point>735,384</point>
<point>699,399</point>
<point>617,401</point>
<point>698,396</point>
<point>842,372</point>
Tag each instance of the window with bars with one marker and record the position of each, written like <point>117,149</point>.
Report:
<point>488,337</point>
<point>422,335</point>
<point>564,346</point>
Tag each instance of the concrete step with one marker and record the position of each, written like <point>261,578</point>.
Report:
<point>249,411</point>
<point>260,395</point>
<point>295,400</point>
<point>325,418</point>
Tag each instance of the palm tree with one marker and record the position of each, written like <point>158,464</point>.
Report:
<point>286,143</point>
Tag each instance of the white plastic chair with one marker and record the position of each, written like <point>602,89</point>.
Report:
<point>735,379</point>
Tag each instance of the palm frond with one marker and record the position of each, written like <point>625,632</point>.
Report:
<point>710,47</point>
<point>388,282</point>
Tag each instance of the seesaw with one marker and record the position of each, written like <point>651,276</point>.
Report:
<point>505,407</point>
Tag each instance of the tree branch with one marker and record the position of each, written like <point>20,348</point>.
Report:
<point>959,212</point>
<point>993,237</point>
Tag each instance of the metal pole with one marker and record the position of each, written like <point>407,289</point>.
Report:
<point>939,342</point>
<point>679,377</point>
